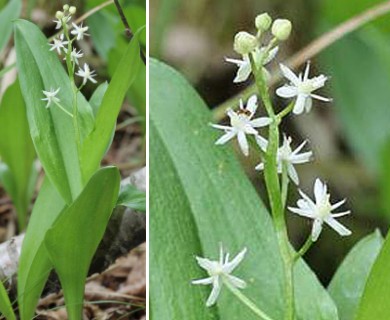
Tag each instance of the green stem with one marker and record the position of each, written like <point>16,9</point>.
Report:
<point>273,189</point>
<point>63,109</point>
<point>285,181</point>
<point>247,302</point>
<point>306,246</point>
<point>286,111</point>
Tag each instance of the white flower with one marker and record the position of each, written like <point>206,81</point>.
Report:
<point>244,65</point>
<point>75,56</point>
<point>86,74</point>
<point>58,44</point>
<point>287,156</point>
<point>79,31</point>
<point>302,88</point>
<point>51,97</point>
<point>242,124</point>
<point>220,271</point>
<point>321,211</point>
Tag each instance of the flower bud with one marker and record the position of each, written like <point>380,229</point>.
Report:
<point>59,15</point>
<point>66,7</point>
<point>263,21</point>
<point>72,10</point>
<point>244,42</point>
<point>281,29</point>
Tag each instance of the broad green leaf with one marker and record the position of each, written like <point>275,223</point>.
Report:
<point>347,285</point>
<point>75,236</point>
<point>97,97</point>
<point>201,197</point>
<point>5,304</point>
<point>16,149</point>
<point>361,95</point>
<point>34,263</point>
<point>51,130</point>
<point>374,303</point>
<point>7,15</point>
<point>133,198</point>
<point>95,144</point>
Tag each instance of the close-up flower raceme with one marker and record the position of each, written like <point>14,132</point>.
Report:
<point>72,161</point>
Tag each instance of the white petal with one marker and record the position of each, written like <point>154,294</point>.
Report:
<point>205,263</point>
<point>260,122</point>
<point>212,299</point>
<point>218,126</point>
<point>243,73</point>
<point>321,98</point>
<point>308,104</point>
<point>261,142</point>
<point>301,158</point>
<point>293,174</point>
<point>287,91</point>
<point>299,106</point>
<point>338,204</point>
<point>205,281</point>
<point>229,267</point>
<point>235,61</point>
<point>316,229</point>
<point>236,282</point>
<point>260,166</point>
<point>243,143</point>
<point>251,104</point>
<point>319,190</point>
<point>340,214</point>
<point>302,212</point>
<point>271,55</point>
<point>307,71</point>
<point>226,137</point>
<point>290,75</point>
<point>338,227</point>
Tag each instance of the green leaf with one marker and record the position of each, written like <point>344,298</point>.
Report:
<point>34,263</point>
<point>5,304</point>
<point>95,144</point>
<point>17,150</point>
<point>75,236</point>
<point>201,197</point>
<point>51,129</point>
<point>133,198</point>
<point>347,285</point>
<point>97,97</point>
<point>361,95</point>
<point>374,302</point>
<point>7,15</point>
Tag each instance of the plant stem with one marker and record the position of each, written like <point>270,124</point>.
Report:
<point>286,111</point>
<point>285,181</point>
<point>247,302</point>
<point>273,188</point>
<point>63,109</point>
<point>128,31</point>
<point>306,246</point>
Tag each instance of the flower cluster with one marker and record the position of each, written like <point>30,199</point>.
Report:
<point>255,53</point>
<point>63,44</point>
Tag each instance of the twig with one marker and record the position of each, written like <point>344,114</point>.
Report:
<point>310,51</point>
<point>128,31</point>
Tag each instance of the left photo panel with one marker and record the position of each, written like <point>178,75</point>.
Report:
<point>73,151</point>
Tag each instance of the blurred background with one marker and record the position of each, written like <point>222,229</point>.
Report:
<point>350,137</point>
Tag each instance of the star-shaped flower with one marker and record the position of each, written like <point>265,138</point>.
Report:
<point>51,97</point>
<point>79,31</point>
<point>244,65</point>
<point>242,124</point>
<point>59,44</point>
<point>75,56</point>
<point>289,158</point>
<point>61,21</point>
<point>321,211</point>
<point>219,272</point>
<point>86,74</point>
<point>301,87</point>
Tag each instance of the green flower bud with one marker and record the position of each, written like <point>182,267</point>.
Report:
<point>72,10</point>
<point>263,21</point>
<point>66,7</point>
<point>281,29</point>
<point>244,42</point>
<point>59,15</point>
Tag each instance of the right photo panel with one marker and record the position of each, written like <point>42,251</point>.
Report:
<point>269,183</point>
